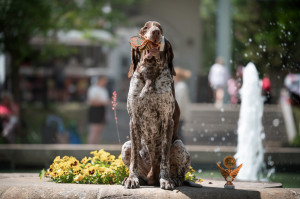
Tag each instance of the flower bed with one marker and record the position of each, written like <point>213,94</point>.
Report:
<point>102,168</point>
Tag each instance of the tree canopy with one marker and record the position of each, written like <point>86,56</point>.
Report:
<point>267,33</point>
<point>21,20</point>
<point>264,32</point>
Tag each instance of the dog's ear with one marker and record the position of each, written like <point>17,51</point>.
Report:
<point>135,58</point>
<point>169,56</point>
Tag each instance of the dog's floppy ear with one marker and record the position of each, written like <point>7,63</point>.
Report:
<point>135,57</point>
<point>169,56</point>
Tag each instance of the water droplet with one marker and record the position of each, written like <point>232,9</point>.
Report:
<point>222,110</point>
<point>223,119</point>
<point>199,170</point>
<point>250,40</point>
<point>196,155</point>
<point>223,138</point>
<point>201,135</point>
<point>276,122</point>
<point>191,130</point>
<point>270,162</point>
<point>202,124</point>
<point>260,46</point>
<point>263,136</point>
<point>257,53</point>
<point>246,55</point>
<point>205,130</point>
<point>212,139</point>
<point>217,149</point>
<point>194,139</point>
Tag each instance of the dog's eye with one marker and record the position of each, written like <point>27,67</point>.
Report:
<point>145,28</point>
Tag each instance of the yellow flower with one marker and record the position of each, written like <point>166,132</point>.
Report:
<point>101,169</point>
<point>57,159</point>
<point>111,158</point>
<point>91,170</point>
<point>192,170</point>
<point>60,172</point>
<point>107,170</point>
<point>198,181</point>
<point>53,174</point>
<point>79,178</point>
<point>77,170</point>
<point>66,158</point>
<point>93,152</point>
<point>85,160</point>
<point>88,165</point>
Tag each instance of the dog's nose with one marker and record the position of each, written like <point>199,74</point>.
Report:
<point>155,32</point>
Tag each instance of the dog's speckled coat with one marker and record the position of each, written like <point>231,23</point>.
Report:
<point>154,155</point>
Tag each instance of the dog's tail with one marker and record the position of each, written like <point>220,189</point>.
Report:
<point>192,184</point>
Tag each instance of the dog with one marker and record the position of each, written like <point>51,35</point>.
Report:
<point>154,155</point>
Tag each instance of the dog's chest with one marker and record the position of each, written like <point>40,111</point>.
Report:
<point>157,104</point>
<point>163,84</point>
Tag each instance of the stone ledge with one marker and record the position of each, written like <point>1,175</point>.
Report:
<point>20,186</point>
<point>44,154</point>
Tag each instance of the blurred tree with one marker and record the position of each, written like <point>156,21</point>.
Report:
<point>267,33</point>
<point>21,20</point>
<point>208,11</point>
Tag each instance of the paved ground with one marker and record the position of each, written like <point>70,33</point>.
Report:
<point>20,186</point>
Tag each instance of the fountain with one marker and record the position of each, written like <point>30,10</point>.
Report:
<point>250,150</point>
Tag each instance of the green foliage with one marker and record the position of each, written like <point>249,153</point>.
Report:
<point>264,32</point>
<point>42,173</point>
<point>19,20</point>
<point>296,141</point>
<point>22,20</point>
<point>267,33</point>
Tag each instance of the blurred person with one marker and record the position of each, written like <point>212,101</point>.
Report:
<point>232,90</point>
<point>218,77</point>
<point>292,83</point>
<point>234,85</point>
<point>98,99</point>
<point>10,120</point>
<point>59,80</point>
<point>182,96</point>
<point>266,88</point>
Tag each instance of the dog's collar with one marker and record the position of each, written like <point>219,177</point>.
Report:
<point>143,43</point>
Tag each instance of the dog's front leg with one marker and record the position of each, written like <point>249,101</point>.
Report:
<point>165,180</point>
<point>132,181</point>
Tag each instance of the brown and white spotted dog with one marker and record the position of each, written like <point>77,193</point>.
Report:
<point>155,155</point>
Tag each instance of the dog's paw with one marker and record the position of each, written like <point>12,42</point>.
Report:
<point>166,184</point>
<point>178,181</point>
<point>131,183</point>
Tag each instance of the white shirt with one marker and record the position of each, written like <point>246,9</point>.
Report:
<point>98,93</point>
<point>218,76</point>
<point>183,100</point>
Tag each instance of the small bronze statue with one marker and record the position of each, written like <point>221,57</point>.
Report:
<point>228,174</point>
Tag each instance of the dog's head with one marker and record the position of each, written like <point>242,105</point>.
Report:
<point>160,47</point>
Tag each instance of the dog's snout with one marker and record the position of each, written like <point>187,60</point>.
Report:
<point>155,32</point>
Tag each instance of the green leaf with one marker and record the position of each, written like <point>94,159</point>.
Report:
<point>42,173</point>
